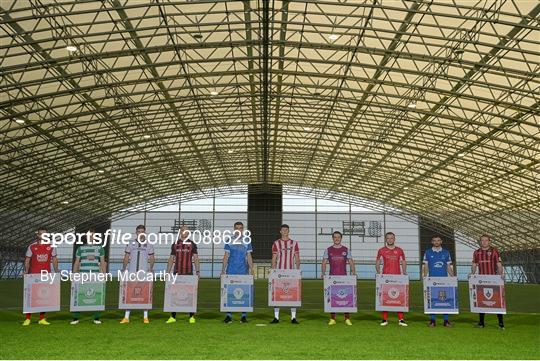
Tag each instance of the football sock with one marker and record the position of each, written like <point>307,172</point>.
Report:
<point>276,313</point>
<point>293,313</point>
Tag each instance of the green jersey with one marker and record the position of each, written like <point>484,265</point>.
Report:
<point>89,257</point>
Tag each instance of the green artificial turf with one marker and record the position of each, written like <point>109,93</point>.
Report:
<point>209,338</point>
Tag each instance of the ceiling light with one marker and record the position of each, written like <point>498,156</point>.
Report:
<point>71,48</point>
<point>146,136</point>
<point>65,202</point>
<point>101,171</point>
<point>307,129</point>
<point>230,151</point>
<point>19,121</point>
<point>462,154</point>
<point>238,181</point>
<point>214,92</point>
<point>412,105</point>
<point>333,37</point>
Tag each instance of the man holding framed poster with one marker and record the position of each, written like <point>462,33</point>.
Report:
<point>437,262</point>
<point>392,257</point>
<point>487,261</point>
<point>237,261</point>
<point>337,256</point>
<point>285,256</point>
<point>139,256</point>
<point>184,256</point>
<point>38,258</point>
<point>89,257</point>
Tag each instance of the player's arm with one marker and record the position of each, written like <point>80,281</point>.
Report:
<point>151,261</point>
<point>500,268</point>
<point>424,270</point>
<point>450,269</point>
<point>125,261</point>
<point>297,259</point>
<point>76,264</point>
<point>26,264</point>
<point>225,262</point>
<point>274,260</point>
<point>55,260</point>
<point>250,263</point>
<point>474,264</point>
<point>170,262</point>
<point>195,259</point>
<point>102,264</point>
<point>352,266</point>
<point>323,267</point>
<point>378,263</point>
<point>404,266</point>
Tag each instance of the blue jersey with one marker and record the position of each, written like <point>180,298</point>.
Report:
<point>437,262</point>
<point>237,264</point>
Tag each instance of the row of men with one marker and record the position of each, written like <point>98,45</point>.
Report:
<point>237,260</point>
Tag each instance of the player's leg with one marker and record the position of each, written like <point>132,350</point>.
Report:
<point>384,316</point>
<point>145,317</point>
<point>172,318</point>
<point>501,321</point>
<point>42,320</point>
<point>481,319</point>
<point>432,320</point>
<point>126,317</point>
<point>76,318</point>
<point>332,319</point>
<point>293,316</point>
<point>228,318</point>
<point>97,316</point>
<point>446,320</point>
<point>276,315</point>
<point>243,319</point>
<point>401,319</point>
<point>27,319</point>
<point>347,319</point>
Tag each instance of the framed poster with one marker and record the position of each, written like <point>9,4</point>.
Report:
<point>441,295</point>
<point>41,293</point>
<point>486,294</point>
<point>181,294</point>
<point>135,295</point>
<point>87,296</point>
<point>236,293</point>
<point>392,293</point>
<point>285,288</point>
<point>340,294</point>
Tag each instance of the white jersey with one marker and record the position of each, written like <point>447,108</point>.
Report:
<point>138,256</point>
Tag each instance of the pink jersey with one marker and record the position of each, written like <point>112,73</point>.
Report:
<point>391,259</point>
<point>285,251</point>
<point>338,258</point>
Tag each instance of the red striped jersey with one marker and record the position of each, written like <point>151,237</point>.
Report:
<point>184,256</point>
<point>285,251</point>
<point>487,260</point>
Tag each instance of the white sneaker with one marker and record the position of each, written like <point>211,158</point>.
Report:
<point>402,323</point>
<point>97,322</point>
<point>384,323</point>
<point>74,322</point>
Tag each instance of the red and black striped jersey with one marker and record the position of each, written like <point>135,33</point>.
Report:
<point>487,260</point>
<point>184,256</point>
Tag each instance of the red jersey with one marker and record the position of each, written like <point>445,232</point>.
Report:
<point>285,251</point>
<point>391,259</point>
<point>487,260</point>
<point>184,256</point>
<point>40,256</point>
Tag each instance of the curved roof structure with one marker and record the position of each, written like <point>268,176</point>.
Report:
<point>430,107</point>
